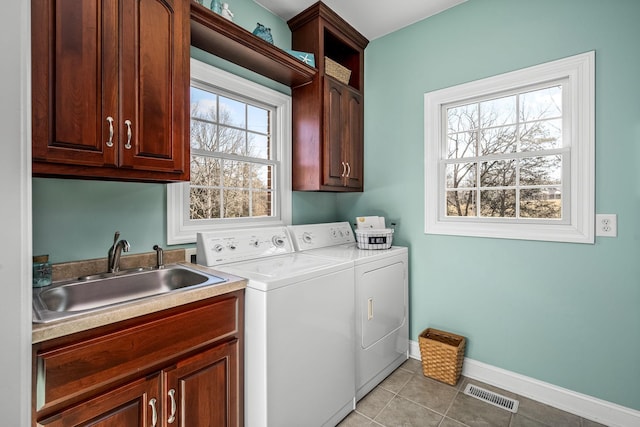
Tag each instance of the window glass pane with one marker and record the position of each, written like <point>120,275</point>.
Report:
<point>205,171</point>
<point>232,141</point>
<point>462,118</point>
<point>498,112</point>
<point>541,203</point>
<point>236,174</point>
<point>498,140</point>
<point>232,112</point>
<point>498,203</point>
<point>236,203</point>
<point>203,135</point>
<point>543,170</point>
<point>258,119</point>
<point>542,135</point>
<point>261,177</point>
<point>203,104</point>
<point>461,175</point>
<point>258,146</point>
<point>261,203</point>
<point>461,203</point>
<point>204,203</point>
<point>461,145</point>
<point>541,104</point>
<point>498,173</point>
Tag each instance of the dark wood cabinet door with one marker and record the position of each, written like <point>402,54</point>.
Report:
<point>343,130</point>
<point>132,405</point>
<point>205,389</point>
<point>354,139</point>
<point>110,87</point>
<point>74,81</point>
<point>155,84</point>
<point>335,167</point>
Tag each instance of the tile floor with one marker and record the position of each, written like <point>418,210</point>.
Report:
<point>407,398</point>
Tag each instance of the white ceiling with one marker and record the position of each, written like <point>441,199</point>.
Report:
<point>372,18</point>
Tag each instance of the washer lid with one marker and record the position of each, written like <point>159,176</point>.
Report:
<point>277,271</point>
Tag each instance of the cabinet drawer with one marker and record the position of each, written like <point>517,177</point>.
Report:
<point>90,365</point>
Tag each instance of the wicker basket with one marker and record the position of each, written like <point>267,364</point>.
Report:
<point>337,71</point>
<point>442,355</point>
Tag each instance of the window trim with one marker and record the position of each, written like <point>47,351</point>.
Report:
<point>180,228</point>
<point>579,71</point>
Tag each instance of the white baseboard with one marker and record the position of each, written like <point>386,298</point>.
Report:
<point>579,404</point>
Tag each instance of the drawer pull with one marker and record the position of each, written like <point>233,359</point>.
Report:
<point>154,412</point>
<point>129,134</point>
<point>172,396</point>
<point>110,140</point>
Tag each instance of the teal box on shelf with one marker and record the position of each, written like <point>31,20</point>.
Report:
<point>306,57</point>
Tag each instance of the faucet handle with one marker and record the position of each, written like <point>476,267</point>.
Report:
<point>159,253</point>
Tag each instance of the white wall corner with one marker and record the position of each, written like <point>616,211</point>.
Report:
<point>585,406</point>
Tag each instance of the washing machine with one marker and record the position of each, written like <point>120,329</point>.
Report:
<point>381,286</point>
<point>299,327</point>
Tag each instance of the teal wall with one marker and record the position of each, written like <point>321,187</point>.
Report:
<point>567,314</point>
<point>76,219</point>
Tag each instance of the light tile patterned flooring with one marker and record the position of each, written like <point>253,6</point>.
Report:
<point>407,398</point>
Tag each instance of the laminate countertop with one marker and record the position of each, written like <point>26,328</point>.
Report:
<point>46,331</point>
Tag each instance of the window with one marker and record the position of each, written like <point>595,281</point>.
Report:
<point>240,157</point>
<point>511,156</point>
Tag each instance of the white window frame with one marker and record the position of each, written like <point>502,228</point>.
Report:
<point>579,73</point>
<point>180,228</point>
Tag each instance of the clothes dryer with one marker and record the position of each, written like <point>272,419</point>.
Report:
<point>381,286</point>
<point>299,327</point>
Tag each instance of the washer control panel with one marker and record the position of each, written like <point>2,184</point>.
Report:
<point>314,236</point>
<point>226,246</point>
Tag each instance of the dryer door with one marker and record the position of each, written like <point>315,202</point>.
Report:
<point>381,299</point>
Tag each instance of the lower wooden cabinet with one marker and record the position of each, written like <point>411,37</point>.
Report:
<point>181,367</point>
<point>198,389</point>
<point>133,405</point>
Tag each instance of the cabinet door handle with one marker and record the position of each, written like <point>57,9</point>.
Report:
<point>110,140</point>
<point>154,412</point>
<point>172,417</point>
<point>348,169</point>
<point>129,134</point>
<point>344,169</point>
<point>370,309</point>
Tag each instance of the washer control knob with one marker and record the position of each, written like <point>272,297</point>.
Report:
<point>278,241</point>
<point>255,243</point>
<point>218,248</point>
<point>307,237</point>
<point>232,246</point>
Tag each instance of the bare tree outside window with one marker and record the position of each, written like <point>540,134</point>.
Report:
<point>231,172</point>
<point>503,157</point>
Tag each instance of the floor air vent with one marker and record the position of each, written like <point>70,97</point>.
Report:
<point>491,398</point>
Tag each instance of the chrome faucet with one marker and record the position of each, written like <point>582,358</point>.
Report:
<point>115,251</point>
<point>159,261</point>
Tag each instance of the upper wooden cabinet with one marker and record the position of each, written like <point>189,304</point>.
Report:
<point>110,89</point>
<point>328,115</point>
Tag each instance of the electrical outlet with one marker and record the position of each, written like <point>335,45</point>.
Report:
<point>606,225</point>
<point>188,253</point>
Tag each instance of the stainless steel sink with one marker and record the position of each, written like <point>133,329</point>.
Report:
<point>92,293</point>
